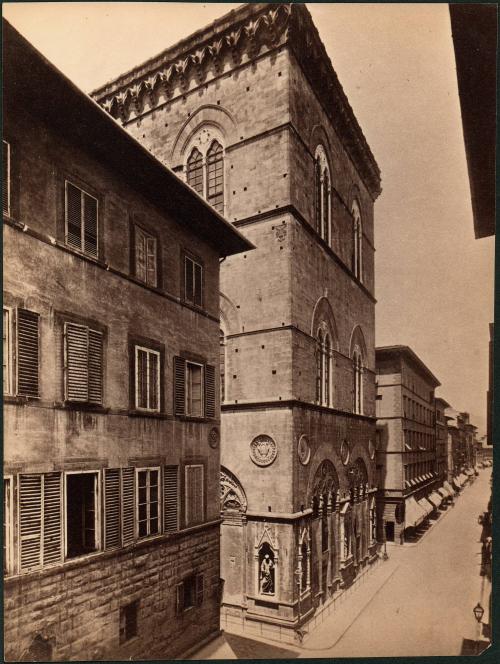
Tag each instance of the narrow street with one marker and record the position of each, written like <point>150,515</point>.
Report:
<point>425,607</point>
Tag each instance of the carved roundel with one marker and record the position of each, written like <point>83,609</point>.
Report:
<point>213,437</point>
<point>263,450</point>
<point>303,450</point>
<point>371,449</point>
<point>345,452</point>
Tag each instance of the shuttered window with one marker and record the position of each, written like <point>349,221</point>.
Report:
<point>7,352</point>
<point>128,505</point>
<point>194,388</point>
<point>6,180</point>
<point>147,379</point>
<point>112,497</point>
<point>82,514</point>
<point>170,498</point>
<point>8,523</point>
<point>145,257</point>
<point>27,353</point>
<point>194,494</point>
<point>40,520</point>
<point>83,364</point>
<point>81,220</point>
<point>193,281</point>
<point>148,502</point>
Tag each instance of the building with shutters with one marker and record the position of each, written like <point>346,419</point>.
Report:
<point>410,488</point>
<point>111,408</point>
<point>250,112</point>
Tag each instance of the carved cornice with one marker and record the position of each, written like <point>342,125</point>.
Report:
<point>244,32</point>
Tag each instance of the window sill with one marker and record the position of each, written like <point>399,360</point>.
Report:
<point>87,407</point>
<point>148,413</point>
<point>19,399</point>
<point>194,418</point>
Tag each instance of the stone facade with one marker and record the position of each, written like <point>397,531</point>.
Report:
<point>406,454</point>
<point>297,314</point>
<point>441,439</point>
<point>111,538</point>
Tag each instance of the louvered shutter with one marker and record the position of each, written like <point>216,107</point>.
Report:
<point>30,521</point>
<point>95,367</point>
<point>179,385</point>
<point>179,598</point>
<point>209,390</point>
<point>27,353</point>
<point>198,284</point>
<point>194,494</point>
<point>52,518</point>
<point>6,177</point>
<point>90,224</point>
<point>111,508</point>
<point>128,505</point>
<point>73,216</point>
<point>151,260</point>
<point>77,366</point>
<point>170,496</point>
<point>199,589</point>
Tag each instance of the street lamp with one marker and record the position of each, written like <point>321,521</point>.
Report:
<point>478,612</point>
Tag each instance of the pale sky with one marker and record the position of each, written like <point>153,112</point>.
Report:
<point>434,281</point>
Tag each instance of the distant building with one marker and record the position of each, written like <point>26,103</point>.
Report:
<point>251,113</point>
<point>441,439</point>
<point>406,454</point>
<point>111,409</point>
<point>462,437</point>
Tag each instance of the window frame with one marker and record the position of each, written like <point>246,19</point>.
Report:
<point>322,194</point>
<point>159,498</point>
<point>135,604</point>
<point>189,389</point>
<point>68,181</point>
<point>97,510</point>
<point>203,151</point>
<point>8,211</point>
<point>195,262</point>
<point>137,227</point>
<point>149,351</point>
<point>357,235</point>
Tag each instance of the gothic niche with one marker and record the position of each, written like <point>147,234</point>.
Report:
<point>266,570</point>
<point>232,495</point>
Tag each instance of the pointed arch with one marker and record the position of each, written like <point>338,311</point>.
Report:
<point>322,191</point>
<point>324,330</point>
<point>232,495</point>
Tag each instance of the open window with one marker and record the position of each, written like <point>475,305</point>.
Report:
<point>82,514</point>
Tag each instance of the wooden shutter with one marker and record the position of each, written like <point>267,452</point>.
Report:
<point>198,284</point>
<point>95,367</point>
<point>179,385</point>
<point>179,598</point>
<point>77,368</point>
<point>111,508</point>
<point>194,494</point>
<point>30,521</point>
<point>73,216</point>
<point>151,259</point>
<point>199,589</point>
<point>128,505</point>
<point>6,177</point>
<point>170,497</point>
<point>209,390</point>
<point>27,353</point>
<point>90,224</point>
<point>52,518</point>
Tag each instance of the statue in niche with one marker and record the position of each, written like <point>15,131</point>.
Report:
<point>266,570</point>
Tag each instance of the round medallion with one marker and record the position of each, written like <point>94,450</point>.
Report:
<point>344,452</point>
<point>371,449</point>
<point>263,450</point>
<point>303,450</point>
<point>213,437</point>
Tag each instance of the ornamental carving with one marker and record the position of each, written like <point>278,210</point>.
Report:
<point>303,450</point>
<point>213,437</point>
<point>263,450</point>
<point>232,496</point>
<point>280,232</point>
<point>345,452</point>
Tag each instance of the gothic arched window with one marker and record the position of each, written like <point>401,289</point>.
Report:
<point>205,172</point>
<point>357,241</point>
<point>322,193</point>
<point>222,362</point>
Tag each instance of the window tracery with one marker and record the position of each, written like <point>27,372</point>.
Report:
<point>322,193</point>
<point>205,168</point>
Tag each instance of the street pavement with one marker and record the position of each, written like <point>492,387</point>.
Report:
<point>425,606</point>
<point>418,603</point>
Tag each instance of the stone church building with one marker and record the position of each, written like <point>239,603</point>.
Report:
<point>250,112</point>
